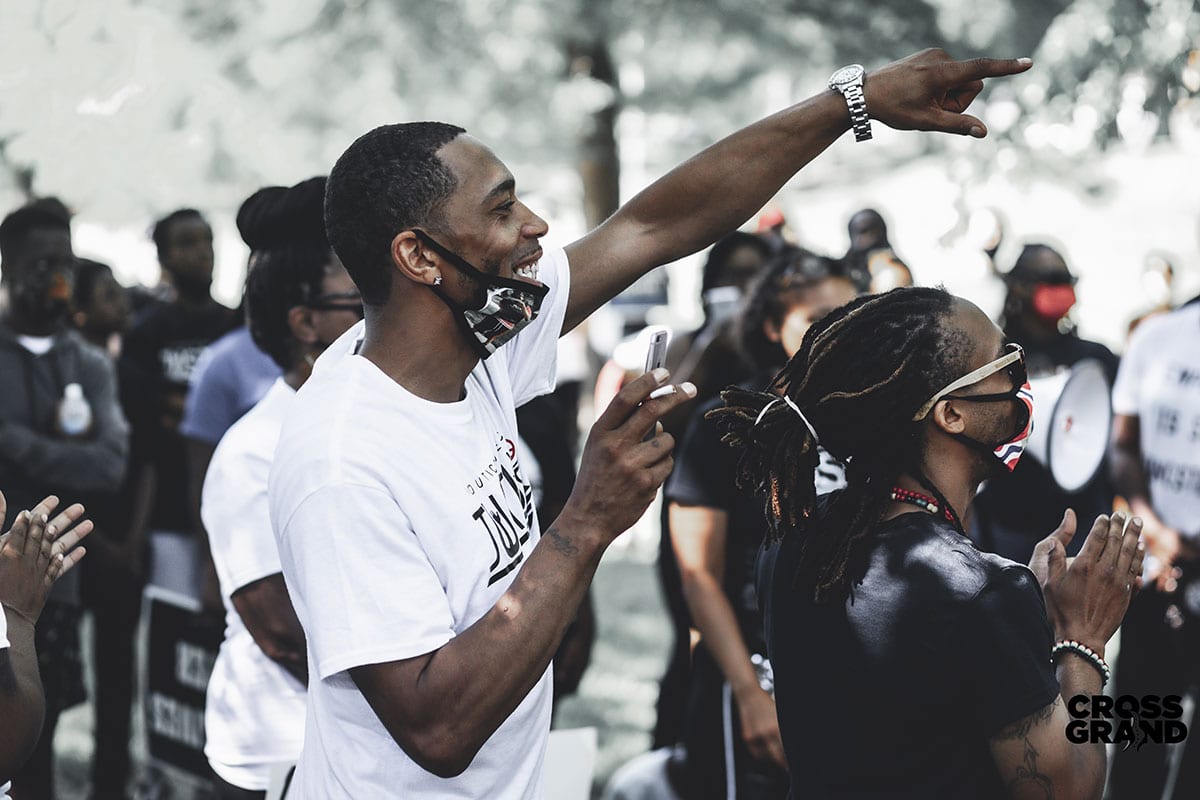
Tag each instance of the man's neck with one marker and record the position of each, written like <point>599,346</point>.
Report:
<point>419,346</point>
<point>193,302</point>
<point>25,326</point>
<point>952,480</point>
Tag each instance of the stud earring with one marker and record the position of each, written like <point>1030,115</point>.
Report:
<point>437,281</point>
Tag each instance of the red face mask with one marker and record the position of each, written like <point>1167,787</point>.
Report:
<point>1053,301</point>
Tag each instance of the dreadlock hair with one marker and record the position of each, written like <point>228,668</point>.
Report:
<point>859,376</point>
<point>774,291</point>
<point>388,180</point>
<point>161,233</point>
<point>290,256</point>
<point>46,212</point>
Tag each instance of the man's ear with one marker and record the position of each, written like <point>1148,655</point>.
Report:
<point>946,416</point>
<point>300,321</point>
<point>772,331</point>
<point>413,260</point>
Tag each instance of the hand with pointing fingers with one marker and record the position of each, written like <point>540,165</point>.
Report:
<point>930,91</point>
<point>40,549</point>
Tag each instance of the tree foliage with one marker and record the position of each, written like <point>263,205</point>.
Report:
<point>127,107</point>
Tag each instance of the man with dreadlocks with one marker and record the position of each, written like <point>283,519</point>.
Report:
<point>907,663</point>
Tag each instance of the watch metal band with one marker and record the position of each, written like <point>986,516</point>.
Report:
<point>859,119</point>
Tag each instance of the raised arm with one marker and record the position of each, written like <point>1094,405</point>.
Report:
<point>441,707</point>
<point>720,188</point>
<point>33,555</point>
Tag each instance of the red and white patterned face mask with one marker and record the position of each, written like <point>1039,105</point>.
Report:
<point>1009,453</point>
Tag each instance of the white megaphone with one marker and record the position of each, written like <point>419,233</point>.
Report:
<point>1072,417</point>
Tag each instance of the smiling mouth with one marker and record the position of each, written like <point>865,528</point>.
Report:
<point>528,269</point>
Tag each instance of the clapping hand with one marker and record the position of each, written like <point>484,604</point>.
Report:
<point>1086,597</point>
<point>930,91</point>
<point>38,550</point>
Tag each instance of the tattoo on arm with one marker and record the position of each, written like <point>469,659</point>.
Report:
<point>1027,778</point>
<point>1021,728</point>
<point>562,544</point>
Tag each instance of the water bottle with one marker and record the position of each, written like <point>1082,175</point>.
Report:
<point>74,412</point>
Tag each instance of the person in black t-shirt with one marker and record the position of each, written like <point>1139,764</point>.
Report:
<point>906,662</point>
<point>1012,511</point>
<point>160,350</point>
<point>717,532</point>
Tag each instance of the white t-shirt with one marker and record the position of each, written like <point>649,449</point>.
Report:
<point>4,646</point>
<point>254,712</point>
<point>1159,382</point>
<point>400,523</point>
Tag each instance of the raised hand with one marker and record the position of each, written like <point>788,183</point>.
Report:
<point>930,91</point>
<point>1086,599</point>
<point>620,473</point>
<point>39,550</point>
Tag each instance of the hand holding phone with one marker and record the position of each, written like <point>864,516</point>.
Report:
<point>656,356</point>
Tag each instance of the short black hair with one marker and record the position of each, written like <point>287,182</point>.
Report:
<point>87,273</point>
<point>161,234</point>
<point>289,258</point>
<point>793,269</point>
<point>717,263</point>
<point>1024,269</point>
<point>388,180</point>
<point>45,212</point>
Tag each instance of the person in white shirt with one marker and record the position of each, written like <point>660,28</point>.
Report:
<point>298,299</point>
<point>431,601</point>
<point>1155,463</point>
<point>38,550</point>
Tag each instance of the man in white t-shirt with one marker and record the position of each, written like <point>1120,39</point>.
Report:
<point>36,552</point>
<point>298,299</point>
<point>1155,460</point>
<point>431,601</point>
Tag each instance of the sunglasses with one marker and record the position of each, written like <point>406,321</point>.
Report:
<point>1013,362</point>
<point>340,301</point>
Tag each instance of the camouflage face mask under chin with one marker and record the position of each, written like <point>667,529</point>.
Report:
<point>509,304</point>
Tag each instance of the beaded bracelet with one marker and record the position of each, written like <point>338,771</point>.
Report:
<point>1088,653</point>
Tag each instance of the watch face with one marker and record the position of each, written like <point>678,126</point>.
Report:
<point>847,74</point>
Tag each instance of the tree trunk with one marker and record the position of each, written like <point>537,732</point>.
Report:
<point>598,163</point>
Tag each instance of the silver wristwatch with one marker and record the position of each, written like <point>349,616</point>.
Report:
<point>849,81</point>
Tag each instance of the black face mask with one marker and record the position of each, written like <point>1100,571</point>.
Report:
<point>508,306</point>
<point>1003,456</point>
<point>45,293</point>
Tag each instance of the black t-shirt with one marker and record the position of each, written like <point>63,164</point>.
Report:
<point>1014,512</point>
<point>705,475</point>
<point>894,692</point>
<point>160,352</point>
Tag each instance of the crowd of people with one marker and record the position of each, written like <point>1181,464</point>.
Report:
<point>366,470</point>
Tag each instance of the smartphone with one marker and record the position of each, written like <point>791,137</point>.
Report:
<point>656,356</point>
<point>656,353</point>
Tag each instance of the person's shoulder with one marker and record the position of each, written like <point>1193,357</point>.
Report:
<point>1162,329</point>
<point>934,550</point>
<point>90,356</point>
<point>229,344</point>
<point>263,421</point>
